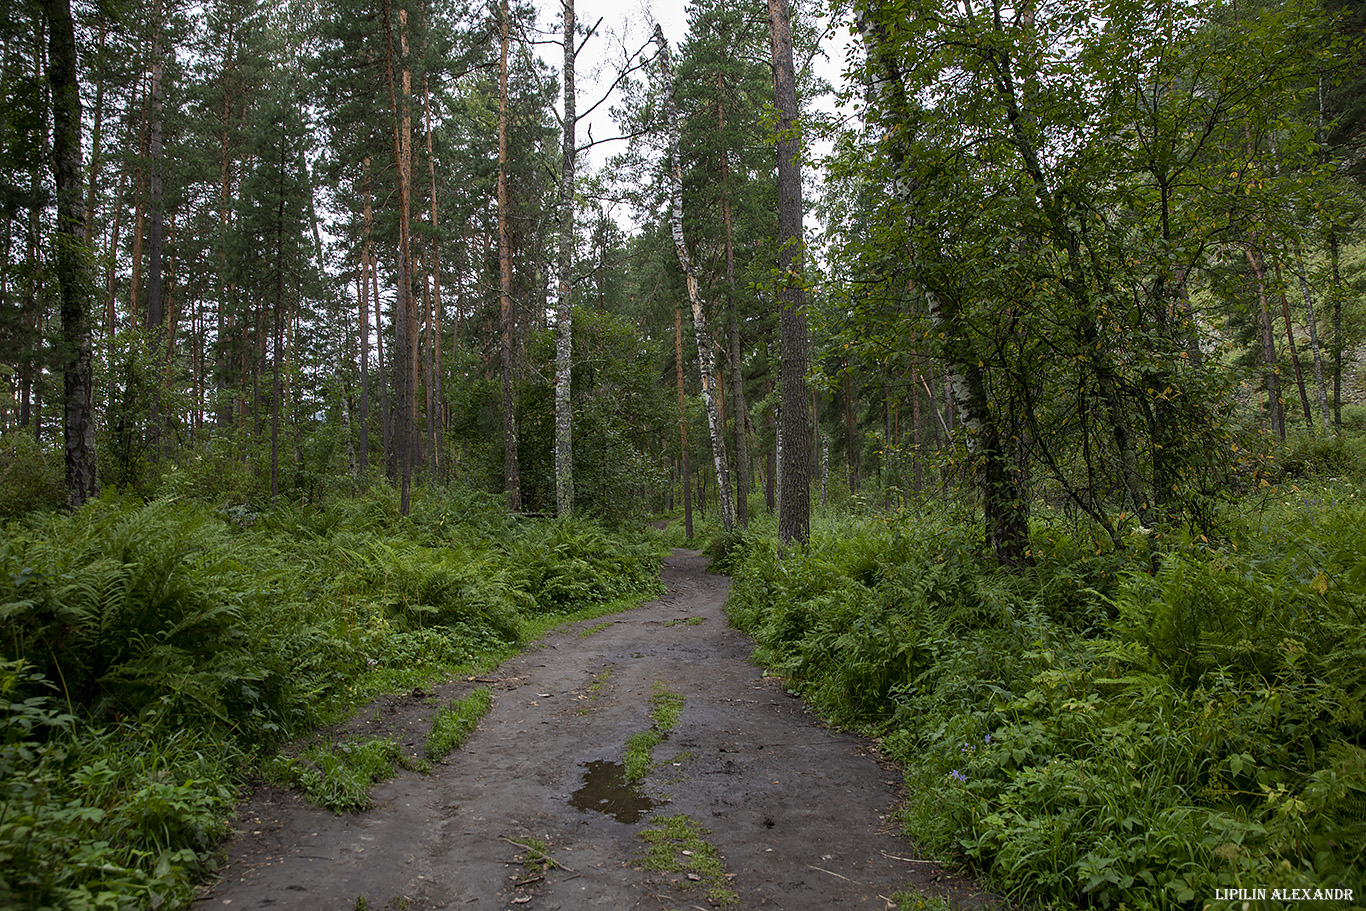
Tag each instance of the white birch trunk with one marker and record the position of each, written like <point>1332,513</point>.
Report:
<point>705,350</point>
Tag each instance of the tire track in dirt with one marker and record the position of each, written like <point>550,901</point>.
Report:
<point>801,815</point>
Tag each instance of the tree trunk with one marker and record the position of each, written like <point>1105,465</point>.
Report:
<point>72,280</point>
<point>277,330</point>
<point>363,293</point>
<point>1272,377</point>
<point>1317,349</point>
<point>794,496</point>
<point>737,376</point>
<point>564,311</point>
<point>139,215</point>
<point>1294,349</point>
<point>683,420</point>
<point>96,132</point>
<point>156,314</point>
<point>438,441</point>
<point>706,357</point>
<point>405,308</point>
<point>512,482</point>
<point>1333,257</point>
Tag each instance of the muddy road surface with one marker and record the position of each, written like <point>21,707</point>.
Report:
<point>532,812</point>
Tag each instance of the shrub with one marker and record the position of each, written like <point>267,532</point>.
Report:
<point>31,476</point>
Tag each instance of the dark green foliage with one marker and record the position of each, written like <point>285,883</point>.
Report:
<point>168,647</point>
<point>30,477</point>
<point>574,562</point>
<point>1094,732</point>
<point>100,818</point>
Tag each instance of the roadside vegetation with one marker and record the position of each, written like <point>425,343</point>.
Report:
<point>160,654</point>
<point>1130,726</point>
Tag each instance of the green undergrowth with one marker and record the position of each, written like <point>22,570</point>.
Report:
<point>1113,729</point>
<point>156,655</point>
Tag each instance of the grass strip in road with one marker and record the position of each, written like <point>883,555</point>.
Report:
<point>338,774</point>
<point>666,707</point>
<point>454,724</point>
<point>678,844</point>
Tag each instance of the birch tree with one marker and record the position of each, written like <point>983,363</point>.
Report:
<point>705,349</point>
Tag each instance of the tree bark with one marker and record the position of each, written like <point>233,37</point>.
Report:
<point>1313,324</point>
<point>405,308</point>
<point>512,482</point>
<point>1333,257</point>
<point>705,349</point>
<point>156,314</point>
<point>683,420</point>
<point>1293,348</point>
<point>737,376</point>
<point>564,309</point>
<point>72,255</point>
<point>436,405</point>
<point>794,496</point>
<point>1272,376</point>
<point>363,293</point>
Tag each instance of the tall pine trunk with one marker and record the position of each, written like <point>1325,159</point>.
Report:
<point>438,442</point>
<point>512,482</point>
<point>737,375</point>
<point>564,309</point>
<point>72,280</point>
<point>794,494</point>
<point>405,308</point>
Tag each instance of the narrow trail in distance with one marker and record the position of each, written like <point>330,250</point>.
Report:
<point>801,815</point>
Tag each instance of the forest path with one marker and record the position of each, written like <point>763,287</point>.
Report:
<point>801,815</point>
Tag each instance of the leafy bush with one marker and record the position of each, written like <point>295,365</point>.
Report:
<point>136,609</point>
<point>97,818</point>
<point>31,476</point>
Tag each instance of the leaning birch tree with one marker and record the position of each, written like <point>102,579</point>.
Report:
<point>705,350</point>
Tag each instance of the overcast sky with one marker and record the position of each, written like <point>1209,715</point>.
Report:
<point>626,25</point>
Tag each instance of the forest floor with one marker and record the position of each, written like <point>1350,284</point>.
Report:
<point>801,817</point>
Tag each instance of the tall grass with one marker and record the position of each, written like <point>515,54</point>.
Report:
<point>154,654</point>
<point>1135,728</point>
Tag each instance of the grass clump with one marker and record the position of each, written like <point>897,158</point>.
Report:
<point>666,707</point>
<point>454,724</point>
<point>640,754</point>
<point>678,844</point>
<point>588,631</point>
<point>338,775</point>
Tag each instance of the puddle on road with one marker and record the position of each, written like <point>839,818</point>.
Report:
<point>605,791</point>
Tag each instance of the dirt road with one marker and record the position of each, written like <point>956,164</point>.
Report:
<point>800,816</point>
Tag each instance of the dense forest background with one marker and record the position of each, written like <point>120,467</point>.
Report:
<point>324,302</point>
